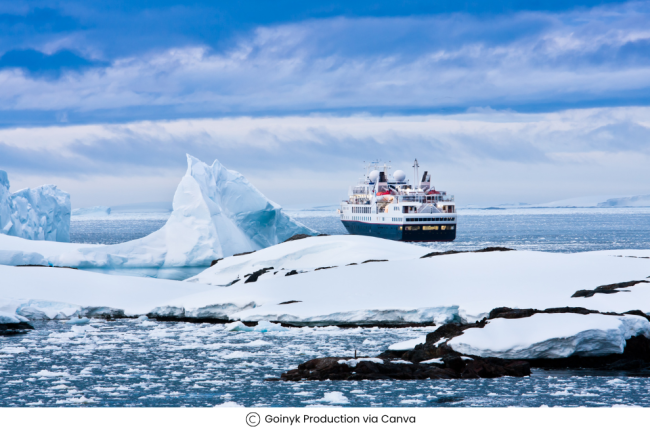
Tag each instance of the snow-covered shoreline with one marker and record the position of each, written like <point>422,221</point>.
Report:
<point>314,282</point>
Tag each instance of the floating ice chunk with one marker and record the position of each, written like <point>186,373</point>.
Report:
<point>81,330</point>
<point>229,404</point>
<point>264,326</point>
<point>258,343</point>
<point>551,336</point>
<point>353,362</point>
<point>400,361</point>
<point>334,397</point>
<point>238,327</point>
<point>47,373</point>
<point>237,354</point>
<point>13,349</point>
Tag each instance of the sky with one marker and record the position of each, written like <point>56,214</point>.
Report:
<point>502,101</point>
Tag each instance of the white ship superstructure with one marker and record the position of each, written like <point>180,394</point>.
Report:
<point>391,207</point>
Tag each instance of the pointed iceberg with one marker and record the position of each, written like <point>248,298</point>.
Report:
<point>216,213</point>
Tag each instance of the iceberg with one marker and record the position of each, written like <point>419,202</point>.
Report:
<point>91,211</point>
<point>41,213</point>
<point>216,213</point>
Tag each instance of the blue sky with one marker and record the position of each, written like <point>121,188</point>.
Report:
<point>104,98</point>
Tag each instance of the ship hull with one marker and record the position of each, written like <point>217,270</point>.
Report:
<point>406,233</point>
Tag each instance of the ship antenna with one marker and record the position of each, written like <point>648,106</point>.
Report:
<point>415,173</point>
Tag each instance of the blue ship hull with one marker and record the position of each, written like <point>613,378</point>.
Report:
<point>406,233</point>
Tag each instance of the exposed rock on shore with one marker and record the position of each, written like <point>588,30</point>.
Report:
<point>451,366</point>
<point>573,338</point>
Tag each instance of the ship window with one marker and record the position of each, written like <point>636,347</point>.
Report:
<point>452,227</point>
<point>443,227</point>
<point>429,227</point>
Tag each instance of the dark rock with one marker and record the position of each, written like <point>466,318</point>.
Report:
<point>372,261</point>
<point>638,313</point>
<point>607,289</point>
<point>255,275</point>
<point>517,313</point>
<point>449,399</point>
<point>454,368</point>
<point>15,328</point>
<point>325,267</point>
<point>294,272</point>
<point>46,266</point>
<point>214,262</point>
<point>484,250</point>
<point>289,302</point>
<point>243,254</point>
<point>351,264</point>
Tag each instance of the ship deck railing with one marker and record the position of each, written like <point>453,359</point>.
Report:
<point>421,199</point>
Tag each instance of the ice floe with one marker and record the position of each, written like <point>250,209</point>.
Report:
<point>451,288</point>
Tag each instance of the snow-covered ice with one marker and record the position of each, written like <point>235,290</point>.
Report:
<point>551,336</point>
<point>408,344</point>
<point>217,213</point>
<point>307,255</point>
<point>438,289</point>
<point>41,213</point>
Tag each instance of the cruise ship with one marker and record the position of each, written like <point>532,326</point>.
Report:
<point>391,207</point>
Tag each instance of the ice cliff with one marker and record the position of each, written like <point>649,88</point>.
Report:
<point>41,213</point>
<point>216,213</point>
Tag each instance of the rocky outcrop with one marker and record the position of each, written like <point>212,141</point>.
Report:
<point>449,367</point>
<point>484,250</point>
<point>14,328</point>
<point>299,236</point>
<point>607,289</point>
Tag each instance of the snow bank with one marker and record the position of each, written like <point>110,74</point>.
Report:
<point>217,213</point>
<point>551,336</point>
<point>41,213</point>
<point>408,344</point>
<point>442,289</point>
<point>307,255</point>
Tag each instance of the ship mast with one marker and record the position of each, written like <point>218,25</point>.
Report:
<point>415,174</point>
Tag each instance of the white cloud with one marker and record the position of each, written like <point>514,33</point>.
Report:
<point>311,159</point>
<point>399,63</point>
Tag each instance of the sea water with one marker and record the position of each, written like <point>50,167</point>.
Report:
<point>128,363</point>
<point>131,363</point>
